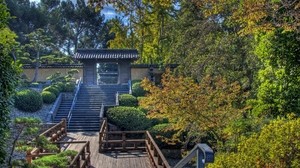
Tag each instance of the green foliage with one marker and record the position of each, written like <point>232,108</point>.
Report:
<point>127,100</point>
<point>28,100</point>
<point>48,97</point>
<point>200,110</point>
<point>276,145</point>
<point>9,76</point>
<point>56,77</point>
<point>25,129</point>
<point>279,84</point>
<point>128,118</point>
<point>163,134</point>
<point>60,160</point>
<point>52,89</point>
<point>137,90</point>
<point>69,87</point>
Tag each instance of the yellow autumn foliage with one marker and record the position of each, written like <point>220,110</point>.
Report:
<point>203,108</point>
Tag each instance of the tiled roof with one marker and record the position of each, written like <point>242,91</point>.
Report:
<point>106,54</point>
<point>30,66</point>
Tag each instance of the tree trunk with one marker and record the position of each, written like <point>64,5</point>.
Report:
<point>37,64</point>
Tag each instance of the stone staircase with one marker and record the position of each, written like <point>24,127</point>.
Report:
<point>85,116</point>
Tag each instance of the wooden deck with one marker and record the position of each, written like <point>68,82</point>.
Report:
<point>133,159</point>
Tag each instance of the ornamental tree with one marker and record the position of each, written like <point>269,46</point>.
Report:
<point>198,109</point>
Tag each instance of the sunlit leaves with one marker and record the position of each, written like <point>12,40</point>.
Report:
<point>276,145</point>
<point>206,107</point>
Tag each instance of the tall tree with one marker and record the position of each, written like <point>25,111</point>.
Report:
<point>38,42</point>
<point>83,27</point>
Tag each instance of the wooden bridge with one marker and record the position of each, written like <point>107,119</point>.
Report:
<point>105,149</point>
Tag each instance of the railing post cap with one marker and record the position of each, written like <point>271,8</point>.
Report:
<point>208,152</point>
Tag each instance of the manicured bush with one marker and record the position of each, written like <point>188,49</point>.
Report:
<point>60,85</point>
<point>28,100</point>
<point>128,100</point>
<point>69,87</point>
<point>48,97</point>
<point>128,118</point>
<point>137,90</point>
<point>52,89</point>
<point>59,88</point>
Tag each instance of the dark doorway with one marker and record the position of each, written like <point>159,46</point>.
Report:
<point>107,73</point>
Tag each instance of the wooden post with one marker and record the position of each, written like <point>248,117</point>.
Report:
<point>123,141</point>
<point>28,157</point>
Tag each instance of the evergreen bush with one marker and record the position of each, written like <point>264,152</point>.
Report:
<point>128,118</point>
<point>60,85</point>
<point>48,97</point>
<point>128,100</point>
<point>52,89</point>
<point>28,100</point>
<point>69,87</point>
<point>137,90</point>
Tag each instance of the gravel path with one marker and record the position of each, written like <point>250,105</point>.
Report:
<point>42,114</point>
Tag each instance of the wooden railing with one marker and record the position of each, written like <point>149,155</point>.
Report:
<point>139,140</point>
<point>74,102</point>
<point>53,134</point>
<point>156,157</point>
<point>57,132</point>
<point>83,157</point>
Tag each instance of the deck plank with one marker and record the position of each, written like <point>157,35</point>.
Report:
<point>132,159</point>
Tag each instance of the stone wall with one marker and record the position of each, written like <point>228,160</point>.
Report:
<point>46,72</point>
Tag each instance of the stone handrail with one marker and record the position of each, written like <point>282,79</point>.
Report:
<point>130,86</point>
<point>51,115</point>
<point>101,114</point>
<point>117,98</point>
<point>73,102</point>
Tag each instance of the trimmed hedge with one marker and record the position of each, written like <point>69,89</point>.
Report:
<point>52,89</point>
<point>48,97</point>
<point>137,90</point>
<point>28,100</point>
<point>128,118</point>
<point>128,100</point>
<point>69,87</point>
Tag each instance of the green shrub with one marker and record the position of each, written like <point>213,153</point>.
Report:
<point>60,160</point>
<point>60,89</point>
<point>128,118</point>
<point>163,134</point>
<point>28,100</point>
<point>128,100</point>
<point>52,89</point>
<point>60,85</point>
<point>137,90</point>
<point>48,97</point>
<point>69,87</point>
